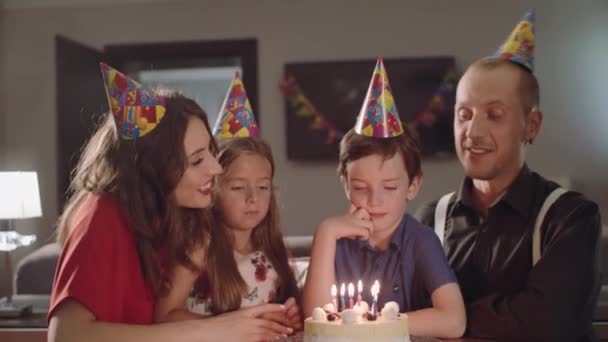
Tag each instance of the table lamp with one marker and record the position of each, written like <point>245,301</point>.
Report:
<point>19,199</point>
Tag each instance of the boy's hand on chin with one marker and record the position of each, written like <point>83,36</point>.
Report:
<point>357,224</point>
<point>359,213</point>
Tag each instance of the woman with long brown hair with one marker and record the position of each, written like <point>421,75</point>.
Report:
<point>137,206</point>
<point>246,262</point>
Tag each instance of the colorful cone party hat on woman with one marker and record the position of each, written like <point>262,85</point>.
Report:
<point>136,110</point>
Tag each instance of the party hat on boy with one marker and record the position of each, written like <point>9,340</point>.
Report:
<point>379,117</point>
<point>136,110</point>
<point>236,117</point>
<point>519,46</point>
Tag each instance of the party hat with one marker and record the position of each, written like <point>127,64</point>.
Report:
<point>236,117</point>
<point>379,117</point>
<point>136,110</point>
<point>519,46</point>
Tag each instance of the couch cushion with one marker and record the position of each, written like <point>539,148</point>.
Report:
<point>300,269</point>
<point>299,246</point>
<point>35,272</point>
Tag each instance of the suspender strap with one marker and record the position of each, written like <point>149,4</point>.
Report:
<point>441,213</point>
<point>536,237</point>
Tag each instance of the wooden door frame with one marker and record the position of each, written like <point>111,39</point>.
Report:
<point>66,158</point>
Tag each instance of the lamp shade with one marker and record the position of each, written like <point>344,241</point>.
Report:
<point>19,195</point>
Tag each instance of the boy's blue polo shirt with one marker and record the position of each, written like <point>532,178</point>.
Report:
<point>409,270</point>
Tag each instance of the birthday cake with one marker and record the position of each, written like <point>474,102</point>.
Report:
<point>357,324</point>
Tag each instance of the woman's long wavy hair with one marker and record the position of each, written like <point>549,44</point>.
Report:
<point>141,175</point>
<point>227,284</point>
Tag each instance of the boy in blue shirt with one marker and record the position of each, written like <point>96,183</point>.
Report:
<point>380,171</point>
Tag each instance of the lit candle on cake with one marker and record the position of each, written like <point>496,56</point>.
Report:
<point>334,300</point>
<point>351,294</point>
<point>342,294</point>
<point>375,290</point>
<point>359,291</point>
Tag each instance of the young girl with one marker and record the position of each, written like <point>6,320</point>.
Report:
<point>246,261</point>
<point>141,186</point>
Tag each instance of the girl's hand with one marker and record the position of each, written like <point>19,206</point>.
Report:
<point>248,325</point>
<point>290,318</point>
<point>294,314</point>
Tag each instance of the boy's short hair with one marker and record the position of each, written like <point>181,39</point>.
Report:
<point>354,146</point>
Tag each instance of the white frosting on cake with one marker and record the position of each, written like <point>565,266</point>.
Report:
<point>352,327</point>
<point>351,316</point>
<point>329,307</point>
<point>319,314</point>
<point>390,311</point>
<point>392,305</point>
<point>363,307</point>
<point>349,339</point>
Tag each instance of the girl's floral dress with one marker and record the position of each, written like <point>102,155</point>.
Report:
<point>258,273</point>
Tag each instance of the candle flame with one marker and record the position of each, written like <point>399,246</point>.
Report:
<point>375,288</point>
<point>342,289</point>
<point>334,290</point>
<point>351,289</point>
<point>359,286</point>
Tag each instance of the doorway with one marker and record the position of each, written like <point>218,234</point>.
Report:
<point>201,70</point>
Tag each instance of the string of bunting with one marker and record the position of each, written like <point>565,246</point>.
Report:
<point>304,108</point>
<point>429,115</point>
<point>299,103</point>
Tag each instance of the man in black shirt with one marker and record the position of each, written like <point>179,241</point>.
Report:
<point>524,253</point>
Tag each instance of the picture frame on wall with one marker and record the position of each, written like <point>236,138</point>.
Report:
<point>323,99</point>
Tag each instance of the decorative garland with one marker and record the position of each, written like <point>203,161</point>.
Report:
<point>304,108</point>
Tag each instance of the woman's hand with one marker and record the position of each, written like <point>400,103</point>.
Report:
<point>248,325</point>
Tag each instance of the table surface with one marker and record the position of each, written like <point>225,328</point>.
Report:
<point>300,338</point>
<point>38,322</point>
